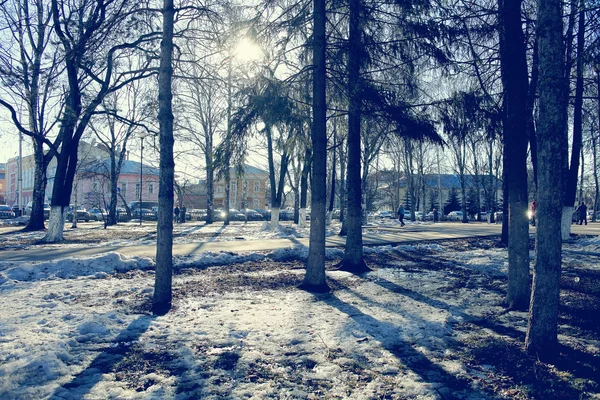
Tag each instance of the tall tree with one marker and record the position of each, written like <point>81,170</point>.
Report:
<point>161,302</point>
<point>28,73</point>
<point>514,79</point>
<point>93,36</point>
<point>314,279</point>
<point>542,329</point>
<point>353,251</point>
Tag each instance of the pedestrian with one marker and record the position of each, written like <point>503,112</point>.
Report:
<point>401,215</point>
<point>533,206</point>
<point>176,212</point>
<point>435,215</point>
<point>183,210</point>
<point>582,213</point>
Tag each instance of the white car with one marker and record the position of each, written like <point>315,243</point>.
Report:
<point>456,216</point>
<point>385,214</point>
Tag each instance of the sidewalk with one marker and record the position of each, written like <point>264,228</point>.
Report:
<point>393,237</point>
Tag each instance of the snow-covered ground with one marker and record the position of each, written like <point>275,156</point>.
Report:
<point>240,328</point>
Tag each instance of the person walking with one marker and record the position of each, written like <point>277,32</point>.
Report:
<point>582,213</point>
<point>176,212</point>
<point>183,211</point>
<point>401,215</point>
<point>435,215</point>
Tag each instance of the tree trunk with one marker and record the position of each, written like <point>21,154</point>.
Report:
<point>161,302</point>
<point>514,79</point>
<point>314,279</point>
<point>353,252</point>
<point>36,219</point>
<point>304,185</point>
<point>542,339</point>
<point>573,171</point>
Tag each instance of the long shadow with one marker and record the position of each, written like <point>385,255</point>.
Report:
<point>414,360</point>
<point>106,361</point>
<point>453,310</point>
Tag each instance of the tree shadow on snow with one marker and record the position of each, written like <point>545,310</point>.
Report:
<point>104,362</point>
<point>452,387</point>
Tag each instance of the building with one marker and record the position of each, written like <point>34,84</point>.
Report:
<point>247,190</point>
<point>12,180</point>
<point>93,186</point>
<point>2,183</point>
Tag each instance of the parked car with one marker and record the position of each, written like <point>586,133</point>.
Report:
<point>82,214</point>
<point>265,213</point>
<point>97,214</point>
<point>456,216</point>
<point>146,214</point>
<point>252,215</point>
<point>198,214</point>
<point>236,215</point>
<point>17,210</point>
<point>286,215</point>
<point>385,214</point>
<point>6,212</point>
<point>122,215</point>
<point>29,206</point>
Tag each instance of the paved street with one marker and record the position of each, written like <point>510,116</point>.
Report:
<point>383,236</point>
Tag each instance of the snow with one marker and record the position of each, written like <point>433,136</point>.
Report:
<point>76,329</point>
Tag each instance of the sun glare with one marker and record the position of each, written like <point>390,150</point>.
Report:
<point>247,51</point>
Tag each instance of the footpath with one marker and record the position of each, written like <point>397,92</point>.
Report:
<point>392,236</point>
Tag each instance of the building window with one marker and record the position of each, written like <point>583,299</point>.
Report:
<point>233,186</point>
<point>95,185</point>
<point>151,188</point>
<point>124,190</point>
<point>256,203</point>
<point>137,190</point>
<point>219,190</point>
<point>245,184</point>
<point>256,186</point>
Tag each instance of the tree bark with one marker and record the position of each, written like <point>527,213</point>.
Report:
<point>542,338</point>
<point>314,279</point>
<point>514,79</point>
<point>161,302</point>
<point>353,252</point>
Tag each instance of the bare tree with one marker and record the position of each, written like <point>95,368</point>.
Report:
<point>161,302</point>
<point>94,37</point>
<point>542,329</point>
<point>28,73</point>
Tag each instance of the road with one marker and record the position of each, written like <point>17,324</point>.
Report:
<point>382,236</point>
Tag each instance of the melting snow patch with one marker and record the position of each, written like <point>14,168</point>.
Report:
<point>71,268</point>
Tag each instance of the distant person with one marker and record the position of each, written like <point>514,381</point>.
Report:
<point>183,210</point>
<point>401,215</point>
<point>435,215</point>
<point>533,206</point>
<point>582,213</point>
<point>176,212</point>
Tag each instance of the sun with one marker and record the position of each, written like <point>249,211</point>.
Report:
<point>247,51</point>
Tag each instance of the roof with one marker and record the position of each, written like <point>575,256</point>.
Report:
<point>129,167</point>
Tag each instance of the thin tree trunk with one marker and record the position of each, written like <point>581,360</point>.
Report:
<point>314,279</point>
<point>161,302</point>
<point>514,79</point>
<point>542,329</point>
<point>353,252</point>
